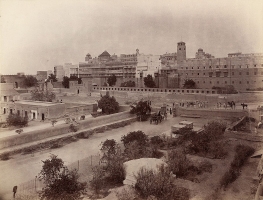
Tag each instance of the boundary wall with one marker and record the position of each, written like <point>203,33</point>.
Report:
<point>207,113</point>
<point>166,90</point>
<point>60,129</point>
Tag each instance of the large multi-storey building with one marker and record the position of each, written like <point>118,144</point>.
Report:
<point>99,69</point>
<point>243,71</point>
<point>170,70</point>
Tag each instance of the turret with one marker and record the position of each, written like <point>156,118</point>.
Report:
<point>181,52</point>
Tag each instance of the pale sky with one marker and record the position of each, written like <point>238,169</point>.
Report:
<point>38,34</point>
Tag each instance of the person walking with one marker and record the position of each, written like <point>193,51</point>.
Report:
<point>14,191</point>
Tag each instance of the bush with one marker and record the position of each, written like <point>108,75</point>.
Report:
<point>56,145</point>
<point>5,156</point>
<point>108,104</point>
<point>178,163</point>
<point>138,136</point>
<point>73,128</point>
<point>159,184</point>
<point>157,141</point>
<point>16,120</point>
<point>243,152</point>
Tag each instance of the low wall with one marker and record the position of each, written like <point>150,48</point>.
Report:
<point>165,90</point>
<point>244,136</point>
<point>206,113</point>
<point>60,130</point>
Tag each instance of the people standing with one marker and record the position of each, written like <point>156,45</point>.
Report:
<point>14,191</point>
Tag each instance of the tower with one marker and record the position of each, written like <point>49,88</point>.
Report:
<point>181,52</point>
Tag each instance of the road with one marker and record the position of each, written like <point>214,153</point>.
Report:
<point>22,168</point>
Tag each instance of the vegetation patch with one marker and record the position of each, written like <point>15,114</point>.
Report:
<point>159,185</point>
<point>207,143</point>
<point>243,152</point>
<point>180,165</point>
<point>5,156</point>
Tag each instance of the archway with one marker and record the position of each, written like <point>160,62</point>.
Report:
<point>78,91</point>
<point>16,85</point>
<point>4,111</point>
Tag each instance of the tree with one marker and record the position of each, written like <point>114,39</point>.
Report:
<point>30,81</point>
<point>149,82</point>
<point>52,78</point>
<point>141,109</point>
<point>189,84</point>
<point>61,183</point>
<point>138,136</point>
<point>108,104</point>
<point>3,79</point>
<point>16,120</point>
<point>112,80</point>
<point>128,84</point>
<point>65,82</point>
<point>40,95</point>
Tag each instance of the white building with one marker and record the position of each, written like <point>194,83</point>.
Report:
<point>147,64</point>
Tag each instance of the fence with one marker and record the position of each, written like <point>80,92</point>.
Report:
<point>83,166</point>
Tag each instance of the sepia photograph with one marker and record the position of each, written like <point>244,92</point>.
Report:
<point>131,100</point>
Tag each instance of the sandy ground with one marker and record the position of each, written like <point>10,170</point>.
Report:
<point>22,168</point>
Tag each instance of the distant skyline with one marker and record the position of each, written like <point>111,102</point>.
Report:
<point>37,35</point>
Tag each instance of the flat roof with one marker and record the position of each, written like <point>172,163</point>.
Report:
<point>185,122</point>
<point>37,103</point>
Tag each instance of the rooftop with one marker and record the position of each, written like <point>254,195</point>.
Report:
<point>37,103</point>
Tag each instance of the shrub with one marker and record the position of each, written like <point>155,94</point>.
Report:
<point>108,104</point>
<point>242,154</point>
<point>16,120</point>
<point>56,145</point>
<point>60,183</point>
<point>5,156</point>
<point>158,184</point>
<point>98,179</point>
<point>178,163</point>
<point>73,128</point>
<point>138,136</point>
<point>157,141</point>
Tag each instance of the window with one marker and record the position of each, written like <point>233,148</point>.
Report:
<point>204,67</point>
<point>240,73</point>
<point>247,82</point>
<point>217,82</point>
<point>210,67</point>
<point>218,74</point>
<point>255,65</point>
<point>233,73</point>
<point>204,74</point>
<point>179,48</point>
<point>247,73</point>
<point>225,66</point>
<point>255,73</point>
<point>198,74</point>
<point>204,81</point>
<point>225,82</point>
<point>197,67</point>
<point>239,82</point>
<point>225,74</point>
<point>217,66</point>
<point>210,74</point>
<point>240,66</point>
<point>210,82</point>
<point>233,82</point>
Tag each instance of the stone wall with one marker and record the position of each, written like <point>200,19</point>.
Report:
<point>60,130</point>
<point>207,113</point>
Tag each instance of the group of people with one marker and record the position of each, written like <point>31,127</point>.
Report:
<point>196,104</point>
